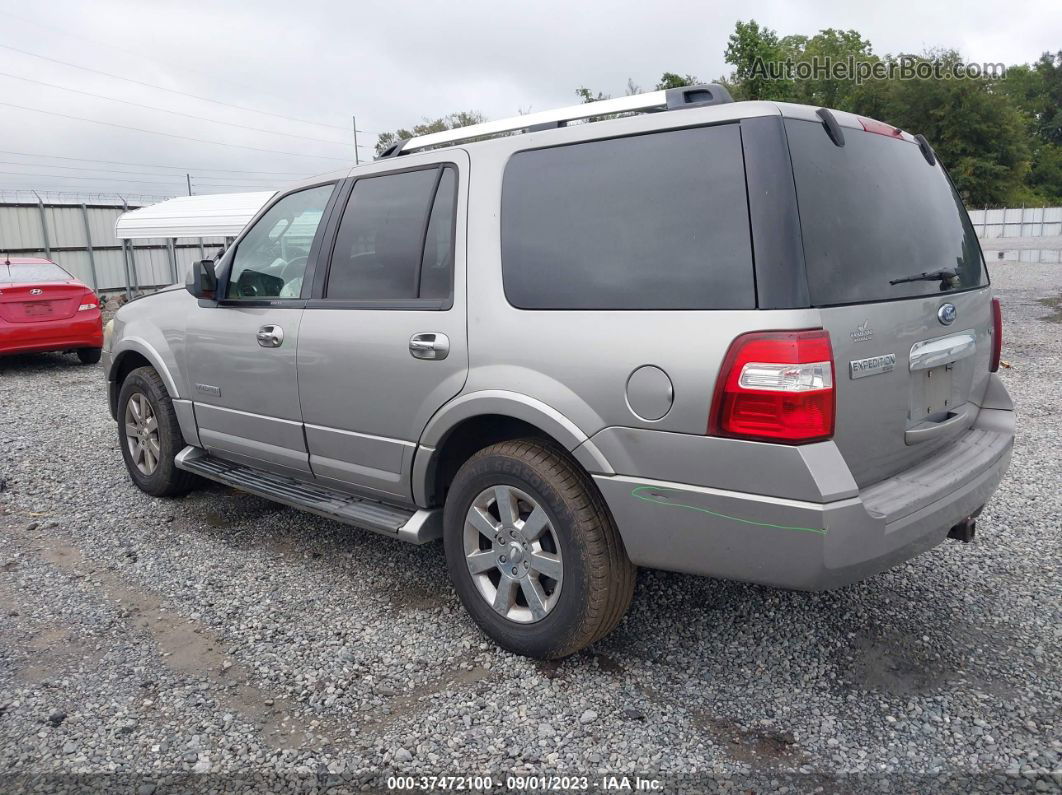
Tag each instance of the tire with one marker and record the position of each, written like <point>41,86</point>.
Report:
<point>596,577</point>
<point>89,355</point>
<point>163,480</point>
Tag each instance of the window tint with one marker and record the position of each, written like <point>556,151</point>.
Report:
<point>875,210</point>
<point>388,246</point>
<point>647,222</point>
<point>437,264</point>
<point>270,261</point>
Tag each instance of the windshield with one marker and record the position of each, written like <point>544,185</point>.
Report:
<point>32,272</point>
<point>875,211</point>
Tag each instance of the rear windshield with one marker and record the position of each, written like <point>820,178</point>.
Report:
<point>35,272</point>
<point>874,210</point>
<point>655,221</point>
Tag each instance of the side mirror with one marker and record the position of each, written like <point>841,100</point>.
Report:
<point>202,281</point>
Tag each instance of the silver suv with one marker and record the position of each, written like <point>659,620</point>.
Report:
<point>745,340</point>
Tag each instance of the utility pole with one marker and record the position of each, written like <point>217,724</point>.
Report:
<point>354,119</point>
<point>189,178</point>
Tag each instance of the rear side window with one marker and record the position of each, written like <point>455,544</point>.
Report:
<point>874,210</point>
<point>655,221</point>
<point>395,239</point>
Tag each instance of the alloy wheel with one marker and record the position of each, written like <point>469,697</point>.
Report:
<point>142,433</point>
<point>513,554</point>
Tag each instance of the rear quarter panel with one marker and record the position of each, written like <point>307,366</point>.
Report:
<point>578,362</point>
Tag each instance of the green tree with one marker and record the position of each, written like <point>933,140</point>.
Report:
<point>453,121</point>
<point>757,56</point>
<point>977,130</point>
<point>827,47</point>
<point>586,95</point>
<point>1037,91</point>
<point>673,80</point>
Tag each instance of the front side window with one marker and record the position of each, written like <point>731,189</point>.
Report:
<point>395,239</point>
<point>270,261</point>
<point>656,221</point>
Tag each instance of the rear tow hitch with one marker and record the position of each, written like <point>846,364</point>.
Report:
<point>964,530</point>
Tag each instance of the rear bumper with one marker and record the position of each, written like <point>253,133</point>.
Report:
<point>84,330</point>
<point>808,545</point>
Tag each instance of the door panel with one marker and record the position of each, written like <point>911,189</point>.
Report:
<point>246,396</point>
<point>242,351</point>
<point>365,398</point>
<point>397,270</point>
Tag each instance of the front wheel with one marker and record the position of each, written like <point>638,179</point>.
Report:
<point>533,552</point>
<point>150,436</point>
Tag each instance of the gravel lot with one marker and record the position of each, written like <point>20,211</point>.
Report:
<point>224,634</point>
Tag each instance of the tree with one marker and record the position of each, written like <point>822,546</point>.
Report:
<point>673,80</point>
<point>823,51</point>
<point>451,122</point>
<point>758,58</point>
<point>1037,92</point>
<point>977,130</point>
<point>586,95</point>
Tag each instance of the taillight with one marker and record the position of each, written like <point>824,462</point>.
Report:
<point>88,301</point>
<point>776,386</point>
<point>997,336</point>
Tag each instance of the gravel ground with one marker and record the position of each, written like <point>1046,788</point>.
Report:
<point>222,634</point>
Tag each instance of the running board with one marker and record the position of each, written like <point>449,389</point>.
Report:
<point>417,526</point>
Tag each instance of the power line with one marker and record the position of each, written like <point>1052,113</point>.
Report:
<point>91,179</point>
<point>148,165</point>
<point>169,135</point>
<point>120,171</point>
<point>164,88</point>
<point>173,112</point>
<point>140,54</point>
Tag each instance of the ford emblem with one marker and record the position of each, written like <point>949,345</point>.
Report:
<point>947,314</point>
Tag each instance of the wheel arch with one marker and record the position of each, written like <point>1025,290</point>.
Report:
<point>135,347</point>
<point>135,352</point>
<point>479,419</point>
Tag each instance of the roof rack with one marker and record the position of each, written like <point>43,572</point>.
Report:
<point>666,99</point>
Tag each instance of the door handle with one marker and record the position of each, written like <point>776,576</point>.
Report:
<point>429,345</point>
<point>270,336</point>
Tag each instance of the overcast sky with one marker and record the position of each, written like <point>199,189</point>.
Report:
<point>391,63</point>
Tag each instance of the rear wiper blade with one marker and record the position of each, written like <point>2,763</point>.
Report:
<point>945,276</point>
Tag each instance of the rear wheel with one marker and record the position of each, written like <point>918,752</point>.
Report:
<point>89,355</point>
<point>532,551</point>
<point>150,436</point>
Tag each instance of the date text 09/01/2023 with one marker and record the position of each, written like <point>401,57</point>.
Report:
<point>532,783</point>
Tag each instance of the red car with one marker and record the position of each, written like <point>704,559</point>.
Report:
<point>44,308</point>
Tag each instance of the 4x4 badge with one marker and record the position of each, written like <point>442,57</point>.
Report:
<point>862,332</point>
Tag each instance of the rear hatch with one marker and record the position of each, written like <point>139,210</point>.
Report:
<point>911,358</point>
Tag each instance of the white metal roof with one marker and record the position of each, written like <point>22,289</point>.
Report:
<point>214,215</point>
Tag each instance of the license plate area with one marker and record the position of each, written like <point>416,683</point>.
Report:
<point>931,392</point>
<point>37,308</point>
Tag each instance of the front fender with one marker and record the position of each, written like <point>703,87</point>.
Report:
<point>149,352</point>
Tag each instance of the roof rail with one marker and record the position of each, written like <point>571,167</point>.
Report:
<point>697,96</point>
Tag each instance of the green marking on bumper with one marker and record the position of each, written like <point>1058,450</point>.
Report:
<point>637,494</point>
